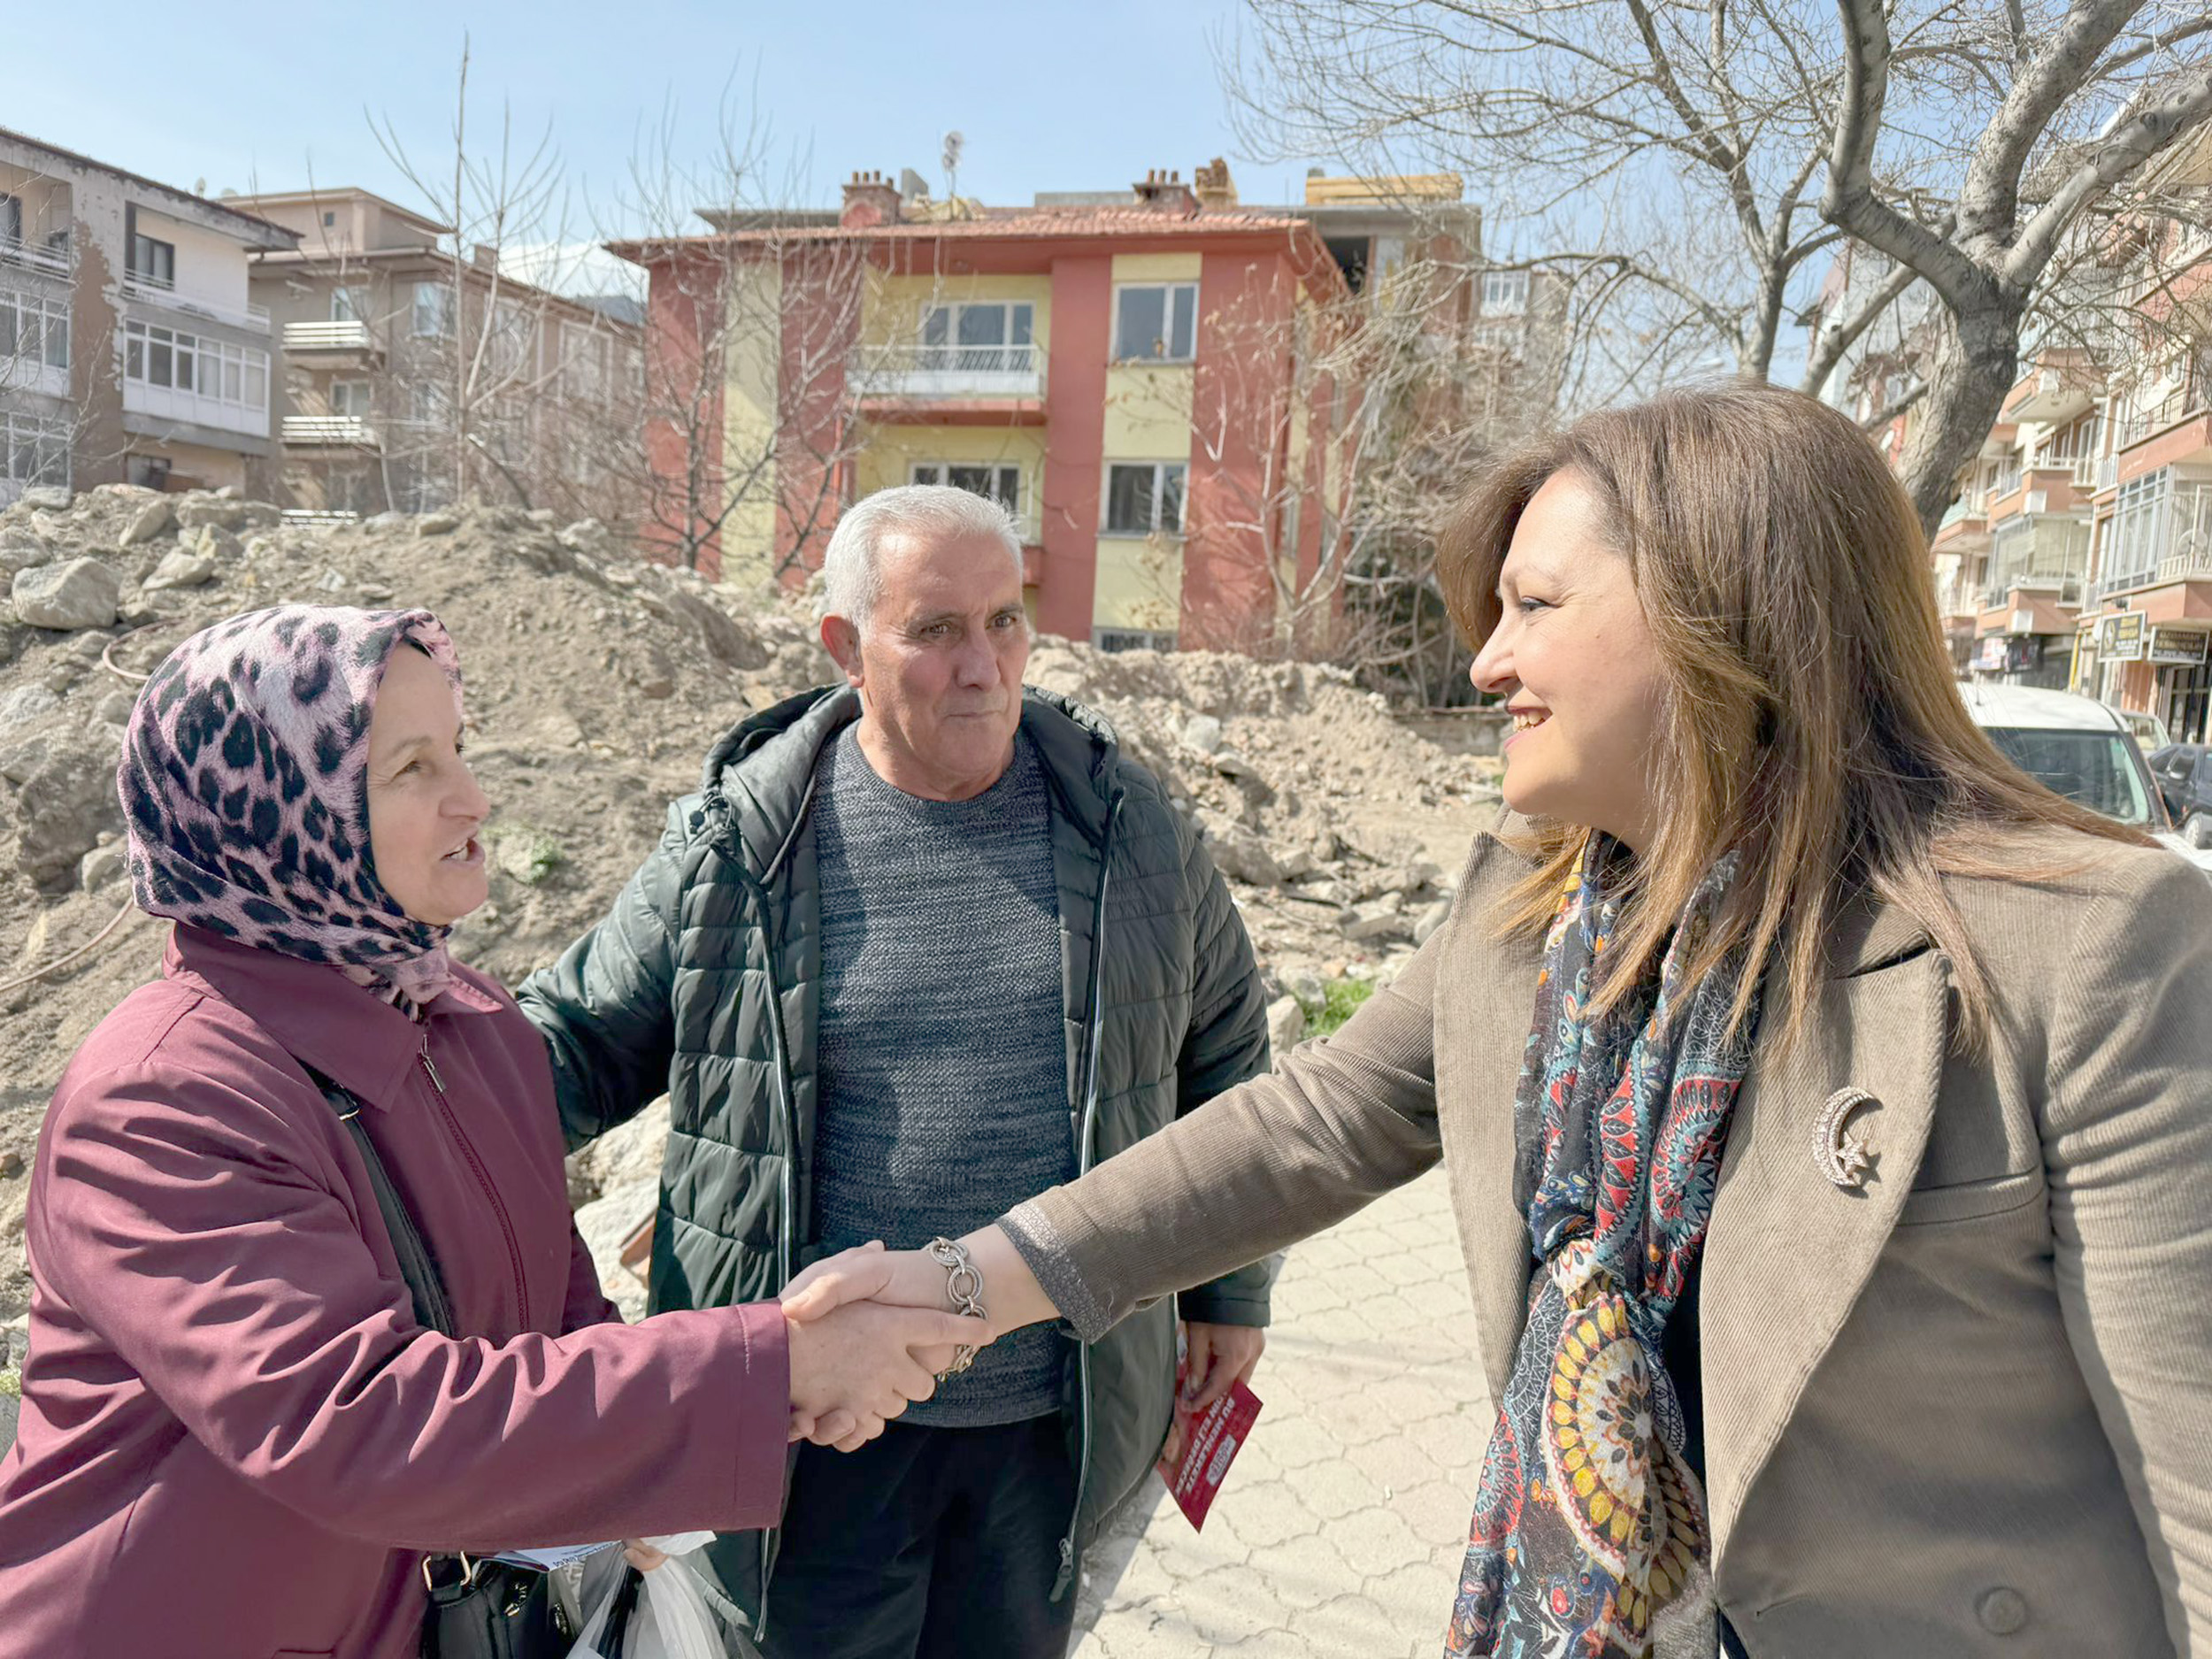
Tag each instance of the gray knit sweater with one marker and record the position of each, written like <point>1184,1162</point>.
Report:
<point>942,1064</point>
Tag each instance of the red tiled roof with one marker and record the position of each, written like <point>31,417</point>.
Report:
<point>1008,225</point>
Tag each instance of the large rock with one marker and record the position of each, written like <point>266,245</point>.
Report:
<point>76,594</point>
<point>179,569</point>
<point>627,1154</point>
<point>1238,853</point>
<point>1202,733</point>
<point>214,543</point>
<point>1366,924</point>
<point>52,498</point>
<point>1286,1024</point>
<point>438,524</point>
<point>204,510</point>
<point>60,808</point>
<point>25,705</point>
<point>21,550</point>
<point>156,517</point>
<point>606,1224</point>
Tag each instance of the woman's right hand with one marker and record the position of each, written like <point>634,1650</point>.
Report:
<point>854,1367</point>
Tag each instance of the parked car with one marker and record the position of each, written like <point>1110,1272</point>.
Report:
<point>2182,773</point>
<point>2082,749</point>
<point>2149,732</point>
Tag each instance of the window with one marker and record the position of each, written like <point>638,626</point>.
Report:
<point>997,481</point>
<point>11,219</point>
<point>213,370</point>
<point>350,398</point>
<point>34,329</point>
<point>991,336</point>
<point>329,219</point>
<point>2135,537</point>
<point>33,450</point>
<point>1504,292</point>
<point>1144,498</point>
<point>583,362</point>
<point>434,312</point>
<point>1155,323</point>
<point>512,332</point>
<point>348,305</point>
<point>153,262</point>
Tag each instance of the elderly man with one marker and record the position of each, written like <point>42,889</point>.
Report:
<point>922,946</point>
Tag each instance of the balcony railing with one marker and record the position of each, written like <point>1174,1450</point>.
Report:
<point>2108,472</point>
<point>928,371</point>
<point>329,430</point>
<point>158,291</point>
<point>2170,411</point>
<point>350,336</point>
<point>31,257</point>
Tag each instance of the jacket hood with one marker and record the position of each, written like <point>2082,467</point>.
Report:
<point>762,770</point>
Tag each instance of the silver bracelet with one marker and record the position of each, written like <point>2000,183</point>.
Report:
<point>963,1288</point>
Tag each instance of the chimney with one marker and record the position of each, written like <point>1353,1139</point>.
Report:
<point>870,199</point>
<point>1167,192</point>
<point>1216,188</point>
<point>484,256</point>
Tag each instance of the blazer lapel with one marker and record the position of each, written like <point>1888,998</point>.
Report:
<point>1790,1248</point>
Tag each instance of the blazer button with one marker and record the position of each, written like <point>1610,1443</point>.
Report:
<point>2002,1610</point>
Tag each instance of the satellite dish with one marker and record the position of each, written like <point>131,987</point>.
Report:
<point>954,145</point>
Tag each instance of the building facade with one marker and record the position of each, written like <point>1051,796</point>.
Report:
<point>1153,382</point>
<point>131,350</point>
<point>2078,554</point>
<point>412,378</point>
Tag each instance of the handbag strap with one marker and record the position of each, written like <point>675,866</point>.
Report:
<point>416,1265</point>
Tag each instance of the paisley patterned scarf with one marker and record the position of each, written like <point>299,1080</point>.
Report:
<point>1589,1535</point>
<point>244,785</point>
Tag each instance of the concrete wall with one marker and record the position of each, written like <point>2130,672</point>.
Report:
<point>892,449</point>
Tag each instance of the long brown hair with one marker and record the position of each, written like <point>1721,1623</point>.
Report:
<point>1809,721</point>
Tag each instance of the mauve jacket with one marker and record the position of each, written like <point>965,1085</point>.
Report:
<point>235,1438</point>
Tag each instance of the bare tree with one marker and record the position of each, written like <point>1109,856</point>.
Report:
<point>1694,166</point>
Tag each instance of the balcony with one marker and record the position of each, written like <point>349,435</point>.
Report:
<point>328,432</point>
<point>347,338</point>
<point>932,374</point>
<point>2051,393</point>
<point>30,257</point>
<point>153,291</point>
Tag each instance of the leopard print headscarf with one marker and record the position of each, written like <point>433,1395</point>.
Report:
<point>244,783</point>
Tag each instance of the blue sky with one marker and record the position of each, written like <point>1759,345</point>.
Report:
<point>1049,95</point>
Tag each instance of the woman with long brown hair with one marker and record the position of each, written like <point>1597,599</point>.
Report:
<point>1834,1221</point>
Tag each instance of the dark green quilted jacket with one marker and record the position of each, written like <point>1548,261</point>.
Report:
<point>702,981</point>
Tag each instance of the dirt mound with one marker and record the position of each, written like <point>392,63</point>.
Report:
<point>595,683</point>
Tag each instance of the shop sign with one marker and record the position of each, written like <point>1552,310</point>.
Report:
<point>2180,648</point>
<point>2120,637</point>
<point>1991,655</point>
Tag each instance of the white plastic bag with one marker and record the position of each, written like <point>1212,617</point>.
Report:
<point>672,1619</point>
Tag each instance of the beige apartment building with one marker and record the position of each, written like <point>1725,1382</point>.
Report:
<point>412,379</point>
<point>131,348</point>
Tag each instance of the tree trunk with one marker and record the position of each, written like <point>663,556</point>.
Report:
<point>1976,365</point>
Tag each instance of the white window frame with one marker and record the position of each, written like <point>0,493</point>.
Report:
<point>234,377</point>
<point>1160,469</point>
<point>33,450</point>
<point>1002,472</point>
<point>440,315</point>
<point>46,316</point>
<point>1504,293</point>
<point>347,391</point>
<point>350,303</point>
<point>1110,638</point>
<point>1179,298</point>
<point>1008,356</point>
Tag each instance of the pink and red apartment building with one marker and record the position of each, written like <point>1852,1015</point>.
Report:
<point>1145,378</point>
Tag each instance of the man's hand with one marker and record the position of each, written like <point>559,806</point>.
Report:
<point>854,1367</point>
<point>1217,1355</point>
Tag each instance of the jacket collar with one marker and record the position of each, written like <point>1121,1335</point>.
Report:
<point>315,1012</point>
<point>763,767</point>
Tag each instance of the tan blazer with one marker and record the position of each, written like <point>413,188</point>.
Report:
<point>1962,1409</point>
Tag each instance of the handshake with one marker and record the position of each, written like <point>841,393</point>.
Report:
<point>872,1331</point>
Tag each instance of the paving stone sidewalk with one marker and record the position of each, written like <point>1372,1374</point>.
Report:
<point>1341,1529</point>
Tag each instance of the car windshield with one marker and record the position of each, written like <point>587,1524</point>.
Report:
<point>2098,769</point>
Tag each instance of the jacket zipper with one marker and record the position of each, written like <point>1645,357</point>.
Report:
<point>483,1180</point>
<point>1086,1153</point>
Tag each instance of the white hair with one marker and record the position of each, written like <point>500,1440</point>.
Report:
<point>852,567</point>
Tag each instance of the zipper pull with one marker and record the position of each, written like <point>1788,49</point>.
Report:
<point>1067,1568</point>
<point>430,1072</point>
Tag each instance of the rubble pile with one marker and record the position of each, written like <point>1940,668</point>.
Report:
<point>595,683</point>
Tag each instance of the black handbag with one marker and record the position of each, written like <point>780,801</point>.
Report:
<point>478,1609</point>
